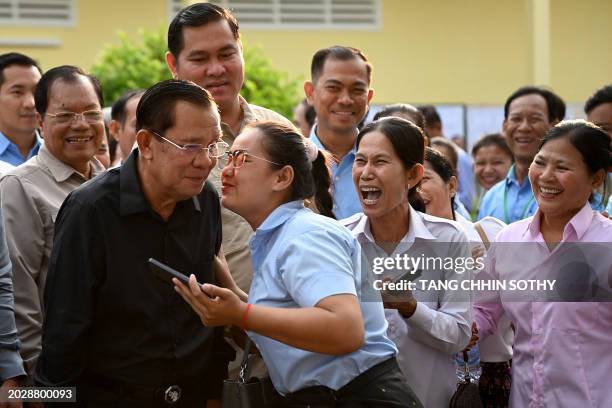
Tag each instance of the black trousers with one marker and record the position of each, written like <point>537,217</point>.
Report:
<point>382,386</point>
<point>100,392</point>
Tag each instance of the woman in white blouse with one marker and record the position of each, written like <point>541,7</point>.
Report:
<point>428,326</point>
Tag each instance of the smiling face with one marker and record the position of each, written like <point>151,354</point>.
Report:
<point>560,179</point>
<point>17,114</point>
<point>340,95</point>
<point>491,165</point>
<point>380,178</point>
<point>248,190</point>
<point>77,141</point>
<point>212,58</point>
<point>436,193</point>
<point>525,126</point>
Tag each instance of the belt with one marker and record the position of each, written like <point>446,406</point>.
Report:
<point>321,394</point>
<point>168,393</point>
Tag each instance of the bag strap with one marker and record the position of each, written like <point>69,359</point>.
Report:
<point>244,364</point>
<point>483,235</point>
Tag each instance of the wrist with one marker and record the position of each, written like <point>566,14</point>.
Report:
<point>407,309</point>
<point>244,316</point>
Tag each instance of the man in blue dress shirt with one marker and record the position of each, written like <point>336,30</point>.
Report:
<point>19,139</point>
<point>339,91</point>
<point>528,114</point>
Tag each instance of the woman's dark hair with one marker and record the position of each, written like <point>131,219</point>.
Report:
<point>284,145</point>
<point>408,110</point>
<point>442,167</point>
<point>407,140</point>
<point>493,139</point>
<point>590,140</point>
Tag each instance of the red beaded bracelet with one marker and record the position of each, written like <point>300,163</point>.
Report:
<point>244,316</point>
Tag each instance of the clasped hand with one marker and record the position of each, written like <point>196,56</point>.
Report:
<point>214,305</point>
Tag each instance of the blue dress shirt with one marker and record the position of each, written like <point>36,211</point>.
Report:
<point>9,152</point>
<point>346,200</point>
<point>300,258</point>
<point>466,185</point>
<point>510,198</point>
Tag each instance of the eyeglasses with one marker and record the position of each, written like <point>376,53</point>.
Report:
<point>90,116</point>
<point>214,150</point>
<point>238,157</point>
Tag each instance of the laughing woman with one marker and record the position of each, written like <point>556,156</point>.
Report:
<point>304,315</point>
<point>427,326</point>
<point>562,348</point>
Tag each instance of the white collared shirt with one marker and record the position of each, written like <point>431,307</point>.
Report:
<point>441,323</point>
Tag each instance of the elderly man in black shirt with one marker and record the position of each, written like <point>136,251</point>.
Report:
<point>123,336</point>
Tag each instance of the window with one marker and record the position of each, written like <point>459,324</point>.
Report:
<point>37,12</point>
<point>300,14</point>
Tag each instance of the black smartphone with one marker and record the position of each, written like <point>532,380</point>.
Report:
<point>166,273</point>
<point>409,276</point>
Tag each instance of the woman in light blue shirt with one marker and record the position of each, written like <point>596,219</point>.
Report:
<point>305,314</point>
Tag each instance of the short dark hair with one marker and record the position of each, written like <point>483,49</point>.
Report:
<point>452,150</point>
<point>337,52</point>
<point>66,73</point>
<point>601,96</point>
<point>196,15</point>
<point>155,109</point>
<point>285,146</point>
<point>431,115</point>
<point>118,109</point>
<point>309,113</point>
<point>390,110</point>
<point>493,139</point>
<point>407,140</point>
<point>554,103</point>
<point>15,58</point>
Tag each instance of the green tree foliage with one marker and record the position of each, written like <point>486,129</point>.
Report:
<point>139,64</point>
<point>131,65</point>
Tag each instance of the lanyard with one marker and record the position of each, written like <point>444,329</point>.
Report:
<point>523,212</point>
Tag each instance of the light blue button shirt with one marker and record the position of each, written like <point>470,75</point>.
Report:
<point>518,204</point>
<point>300,258</point>
<point>346,200</point>
<point>9,152</point>
<point>466,185</point>
<point>609,207</point>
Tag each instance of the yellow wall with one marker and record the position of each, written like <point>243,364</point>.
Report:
<point>437,51</point>
<point>427,51</point>
<point>581,47</point>
<point>96,24</point>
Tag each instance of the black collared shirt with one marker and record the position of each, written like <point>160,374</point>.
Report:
<point>106,312</point>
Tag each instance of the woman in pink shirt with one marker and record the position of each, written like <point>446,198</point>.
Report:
<point>562,347</point>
